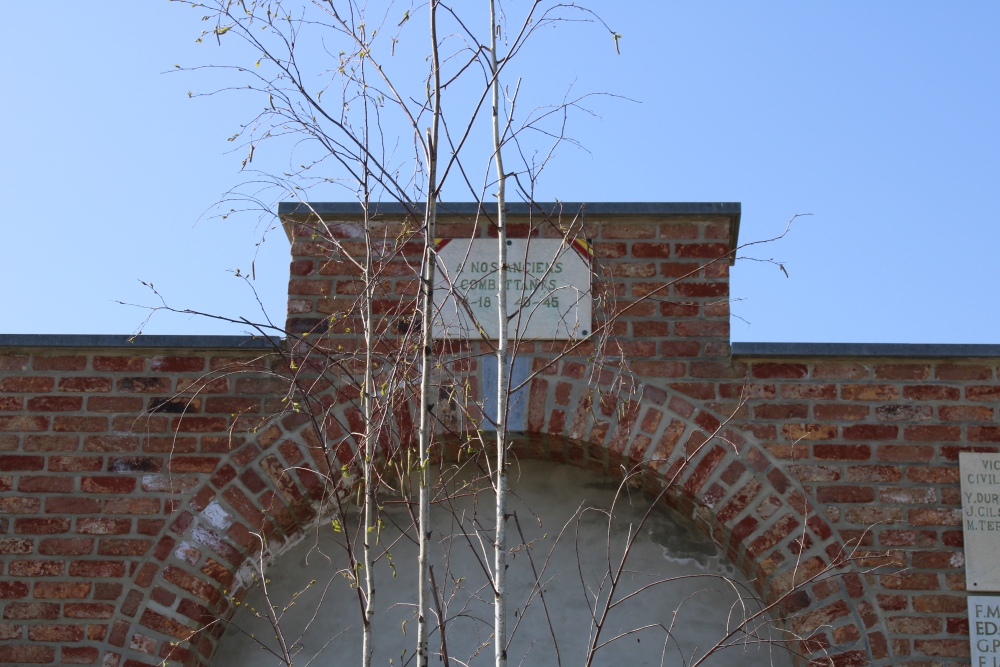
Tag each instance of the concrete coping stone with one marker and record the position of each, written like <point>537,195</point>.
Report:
<point>938,350</point>
<point>600,209</point>
<point>636,211</point>
<point>143,342</point>
<point>927,350</point>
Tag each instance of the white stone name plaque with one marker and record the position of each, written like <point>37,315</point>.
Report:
<point>984,630</point>
<point>981,519</point>
<point>548,289</point>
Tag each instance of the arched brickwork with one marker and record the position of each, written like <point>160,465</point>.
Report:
<point>726,483</point>
<point>133,475</point>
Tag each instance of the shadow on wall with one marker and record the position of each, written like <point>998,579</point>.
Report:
<point>689,596</point>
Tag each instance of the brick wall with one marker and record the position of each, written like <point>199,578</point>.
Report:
<point>134,477</point>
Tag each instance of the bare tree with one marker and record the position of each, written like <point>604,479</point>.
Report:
<point>323,73</point>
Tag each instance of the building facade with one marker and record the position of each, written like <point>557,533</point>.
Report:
<point>136,476</point>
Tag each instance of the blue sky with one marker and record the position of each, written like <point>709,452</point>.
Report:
<point>880,119</point>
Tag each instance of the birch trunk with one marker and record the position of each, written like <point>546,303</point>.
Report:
<point>500,544</point>
<point>427,397</point>
<point>369,440</point>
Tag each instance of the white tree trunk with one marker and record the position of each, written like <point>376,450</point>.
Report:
<point>427,392</point>
<point>500,543</point>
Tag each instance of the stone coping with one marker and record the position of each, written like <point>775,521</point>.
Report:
<point>651,211</point>
<point>931,350</point>
<point>601,209</point>
<point>145,342</point>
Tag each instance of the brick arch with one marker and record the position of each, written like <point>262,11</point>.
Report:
<point>728,485</point>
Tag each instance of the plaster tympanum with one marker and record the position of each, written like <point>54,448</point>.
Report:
<point>699,607</point>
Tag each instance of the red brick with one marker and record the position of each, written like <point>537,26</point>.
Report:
<point>62,590</point>
<point>126,404</point>
<point>650,250</point>
<point>842,452</point>
<point>51,443</point>
<point>132,506</point>
<point>930,433</point>
<point>167,626</point>
<point>66,546</point>
<point>10,590</point>
<point>11,403</point>
<point>183,464</point>
<point>963,372</point>
<point>90,385</point>
<point>74,463</point>
<point>188,424</point>
<point>870,432</point>
<point>658,369</point>
<point>41,526</point>
<point>178,364</point>
<point>905,453</point>
<point>942,647</point>
<point>144,385</point>
<point>845,494</point>
<point>840,412</point>
<point>930,392</point>
<point>914,581</point>
<point>55,403</point>
<point>88,610</point>
<point>146,574</point>
<point>701,250</point>
<point>700,290</point>
<point>121,547</point>
<point>71,505</point>
<point>874,473</point>
<point>27,654</point>
<point>26,384</point>
<point>902,371</point>
<point>628,230</point>
<point>55,633</point>
<point>107,484</point>
<point>766,370</point>
<point>119,364</point>
<point>32,610</point>
<point>80,424</point>
<point>983,393</point>
<point>95,569</point>
<point>965,413</point>
<point>13,362</point>
<point>868,392</point>
<point>37,568</point>
<point>809,431</point>
<point>702,329</point>
<point>14,463</point>
<point>19,505</point>
<point>24,423</point>
<point>233,405</point>
<point>15,547</point>
<point>781,411</point>
<point>79,655</point>
<point>194,585</point>
<point>59,363</point>
<point>984,434</point>
<point>651,329</point>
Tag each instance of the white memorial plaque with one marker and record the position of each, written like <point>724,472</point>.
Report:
<point>548,289</point>
<point>984,630</point>
<point>981,519</point>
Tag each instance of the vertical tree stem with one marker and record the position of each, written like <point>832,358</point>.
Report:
<point>427,399</point>
<point>500,544</point>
